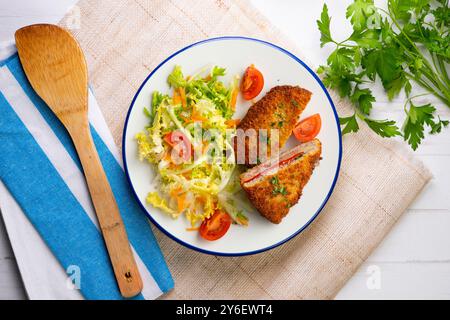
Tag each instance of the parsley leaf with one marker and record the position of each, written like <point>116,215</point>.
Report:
<point>418,117</point>
<point>369,38</point>
<point>384,128</point>
<point>383,62</point>
<point>363,98</point>
<point>394,86</point>
<point>341,59</point>
<point>324,26</point>
<point>350,123</point>
<point>437,127</point>
<point>402,8</point>
<point>358,12</point>
<point>442,14</point>
<point>341,81</point>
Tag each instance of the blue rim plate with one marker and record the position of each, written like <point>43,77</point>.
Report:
<point>337,139</point>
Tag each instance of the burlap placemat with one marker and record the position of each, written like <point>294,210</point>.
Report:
<point>124,40</point>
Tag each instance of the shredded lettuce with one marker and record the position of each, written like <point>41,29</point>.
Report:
<point>144,146</point>
<point>237,215</point>
<point>176,78</point>
<point>217,72</point>
<point>154,199</point>
<point>157,99</point>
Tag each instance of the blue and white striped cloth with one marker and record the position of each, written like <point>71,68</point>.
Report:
<point>42,179</point>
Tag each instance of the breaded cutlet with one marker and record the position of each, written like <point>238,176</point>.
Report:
<point>274,190</point>
<point>279,109</point>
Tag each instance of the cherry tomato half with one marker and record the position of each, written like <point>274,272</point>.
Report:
<point>252,83</point>
<point>307,129</point>
<point>178,140</point>
<point>216,226</point>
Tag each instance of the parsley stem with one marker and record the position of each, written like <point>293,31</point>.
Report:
<point>432,77</point>
<point>438,69</point>
<point>340,44</point>
<point>413,97</point>
<point>360,115</point>
<point>429,73</point>
<point>443,68</point>
<point>436,82</point>
<point>400,28</point>
<point>343,44</point>
<point>425,85</point>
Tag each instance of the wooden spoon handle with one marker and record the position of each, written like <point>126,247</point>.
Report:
<point>110,221</point>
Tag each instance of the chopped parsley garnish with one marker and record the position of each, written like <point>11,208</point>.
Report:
<point>277,188</point>
<point>280,115</point>
<point>274,180</point>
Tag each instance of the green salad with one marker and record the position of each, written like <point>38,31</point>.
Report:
<point>188,143</point>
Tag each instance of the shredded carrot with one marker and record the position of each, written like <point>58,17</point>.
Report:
<point>187,174</point>
<point>168,157</point>
<point>193,229</point>
<point>182,94</point>
<point>175,192</point>
<point>234,99</point>
<point>181,202</point>
<point>204,146</point>
<point>232,122</point>
<point>176,97</point>
<point>185,119</point>
<point>207,78</point>
<point>201,200</point>
<point>172,166</point>
<point>196,116</point>
<point>180,197</point>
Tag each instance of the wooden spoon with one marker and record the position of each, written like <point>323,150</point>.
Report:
<point>56,68</point>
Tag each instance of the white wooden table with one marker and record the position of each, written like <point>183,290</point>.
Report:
<point>413,262</point>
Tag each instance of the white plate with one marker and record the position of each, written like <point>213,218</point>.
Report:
<point>278,67</point>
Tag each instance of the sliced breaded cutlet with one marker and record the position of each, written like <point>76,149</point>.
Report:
<point>273,188</point>
<point>279,109</point>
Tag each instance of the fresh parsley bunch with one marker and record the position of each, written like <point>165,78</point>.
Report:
<point>408,42</point>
